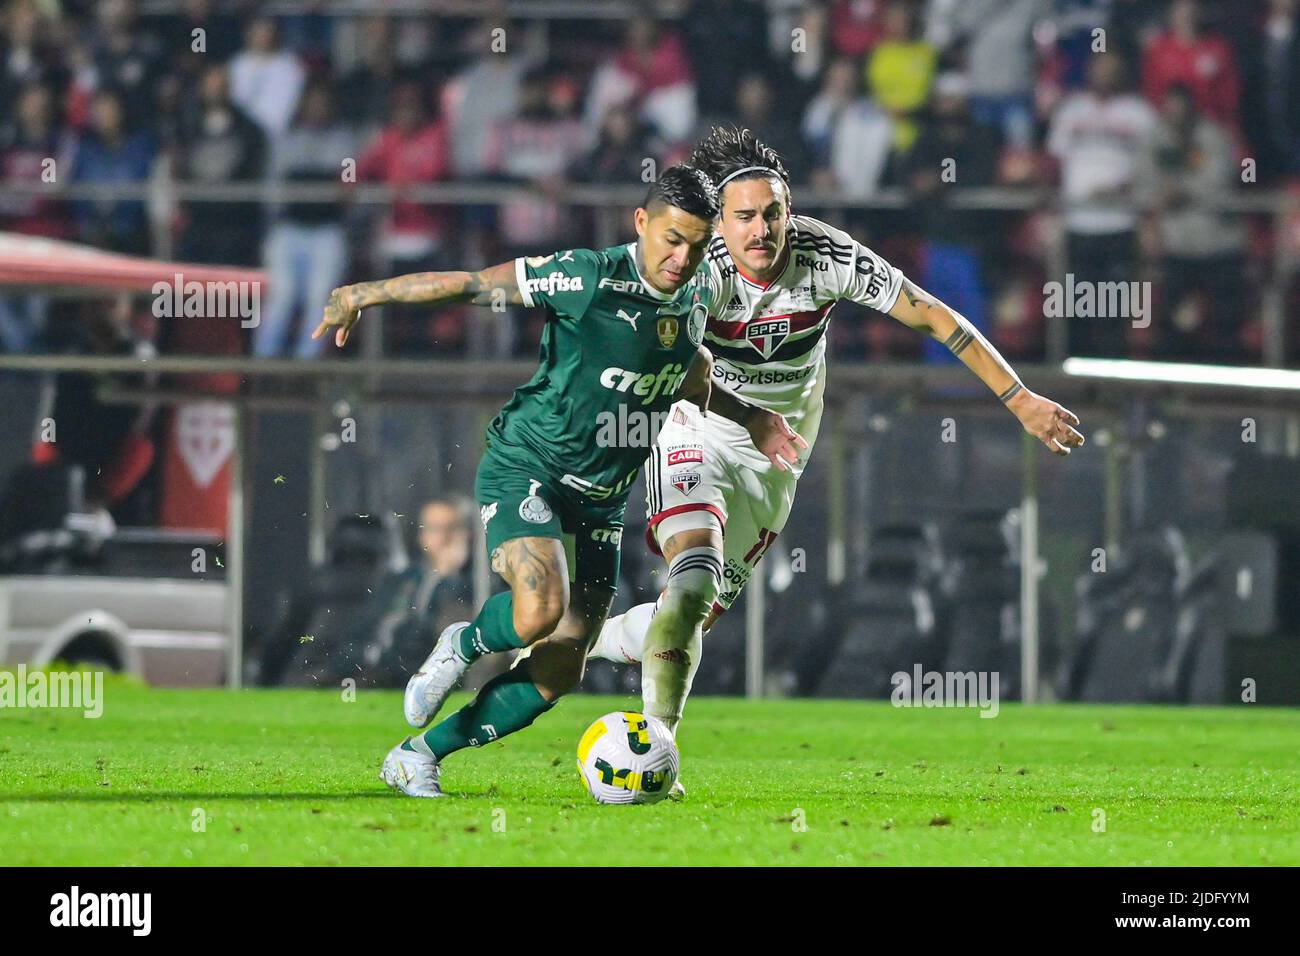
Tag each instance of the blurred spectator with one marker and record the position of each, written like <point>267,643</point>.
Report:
<point>1201,61</point>
<point>952,152</point>
<point>110,442</point>
<point>900,71</point>
<point>477,99</point>
<point>411,149</point>
<point>27,144</point>
<point>367,89</point>
<point>651,72</point>
<point>996,37</point>
<point>1273,122</point>
<point>537,146</point>
<point>266,81</point>
<point>848,135</point>
<point>756,110</point>
<point>716,65</point>
<point>198,24</point>
<point>1202,247</point>
<point>126,57</point>
<point>857,26</point>
<point>1102,139</point>
<point>26,54</point>
<point>400,624</point>
<point>111,153</point>
<point>809,62</point>
<point>306,246</point>
<point>220,146</point>
<point>620,154</point>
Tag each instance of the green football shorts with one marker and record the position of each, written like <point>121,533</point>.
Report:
<point>519,497</point>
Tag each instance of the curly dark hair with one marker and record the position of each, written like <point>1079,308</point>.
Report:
<point>688,189</point>
<point>728,148</point>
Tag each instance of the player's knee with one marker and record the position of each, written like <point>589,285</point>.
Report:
<point>537,614</point>
<point>694,582</point>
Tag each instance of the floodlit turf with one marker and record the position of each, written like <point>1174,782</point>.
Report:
<point>291,777</point>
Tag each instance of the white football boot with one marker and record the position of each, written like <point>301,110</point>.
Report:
<point>677,792</point>
<point>413,773</point>
<point>441,671</point>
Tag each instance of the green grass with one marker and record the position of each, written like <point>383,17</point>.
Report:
<point>290,777</point>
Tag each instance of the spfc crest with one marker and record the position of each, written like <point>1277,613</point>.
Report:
<point>685,481</point>
<point>766,335</point>
<point>667,328</point>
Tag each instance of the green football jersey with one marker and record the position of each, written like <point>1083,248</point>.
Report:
<point>614,353</point>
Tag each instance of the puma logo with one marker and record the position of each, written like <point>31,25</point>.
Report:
<point>629,319</point>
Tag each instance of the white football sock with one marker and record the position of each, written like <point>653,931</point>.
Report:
<point>622,639</point>
<point>674,638</point>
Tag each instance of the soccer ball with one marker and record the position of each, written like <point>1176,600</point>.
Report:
<point>626,757</point>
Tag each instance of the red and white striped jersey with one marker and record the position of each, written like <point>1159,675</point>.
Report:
<point>769,340</point>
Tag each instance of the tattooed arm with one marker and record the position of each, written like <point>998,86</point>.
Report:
<point>494,284</point>
<point>1043,418</point>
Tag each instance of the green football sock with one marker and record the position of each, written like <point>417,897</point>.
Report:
<point>493,630</point>
<point>508,702</point>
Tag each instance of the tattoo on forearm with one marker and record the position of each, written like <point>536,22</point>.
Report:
<point>960,338</point>
<point>916,297</point>
<point>1010,393</point>
<point>415,287</point>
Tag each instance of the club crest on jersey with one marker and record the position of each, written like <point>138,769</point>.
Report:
<point>766,335</point>
<point>685,481</point>
<point>695,323</point>
<point>533,508</point>
<point>667,329</point>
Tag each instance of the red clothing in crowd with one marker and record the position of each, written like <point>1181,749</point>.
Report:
<point>1205,65</point>
<point>400,158</point>
<point>32,215</point>
<point>855,26</point>
<point>665,65</point>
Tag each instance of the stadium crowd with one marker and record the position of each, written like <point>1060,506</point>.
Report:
<point>1121,123</point>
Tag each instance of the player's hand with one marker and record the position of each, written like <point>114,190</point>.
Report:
<point>1050,423</point>
<point>774,437</point>
<point>341,313</point>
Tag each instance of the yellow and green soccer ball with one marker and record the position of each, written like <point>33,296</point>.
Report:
<point>626,757</point>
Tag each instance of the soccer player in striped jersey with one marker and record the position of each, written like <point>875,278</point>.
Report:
<point>715,504</point>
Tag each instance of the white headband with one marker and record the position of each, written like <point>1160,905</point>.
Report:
<point>746,169</point>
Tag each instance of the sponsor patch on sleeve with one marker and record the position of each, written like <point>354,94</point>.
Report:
<point>684,454</point>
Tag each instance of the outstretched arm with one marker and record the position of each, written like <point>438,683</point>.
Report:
<point>1043,418</point>
<point>771,433</point>
<point>494,284</point>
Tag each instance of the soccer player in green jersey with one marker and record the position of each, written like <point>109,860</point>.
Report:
<point>621,345</point>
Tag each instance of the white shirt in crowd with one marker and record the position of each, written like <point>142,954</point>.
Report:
<point>1104,145</point>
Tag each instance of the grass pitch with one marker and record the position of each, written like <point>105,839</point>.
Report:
<point>291,777</point>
